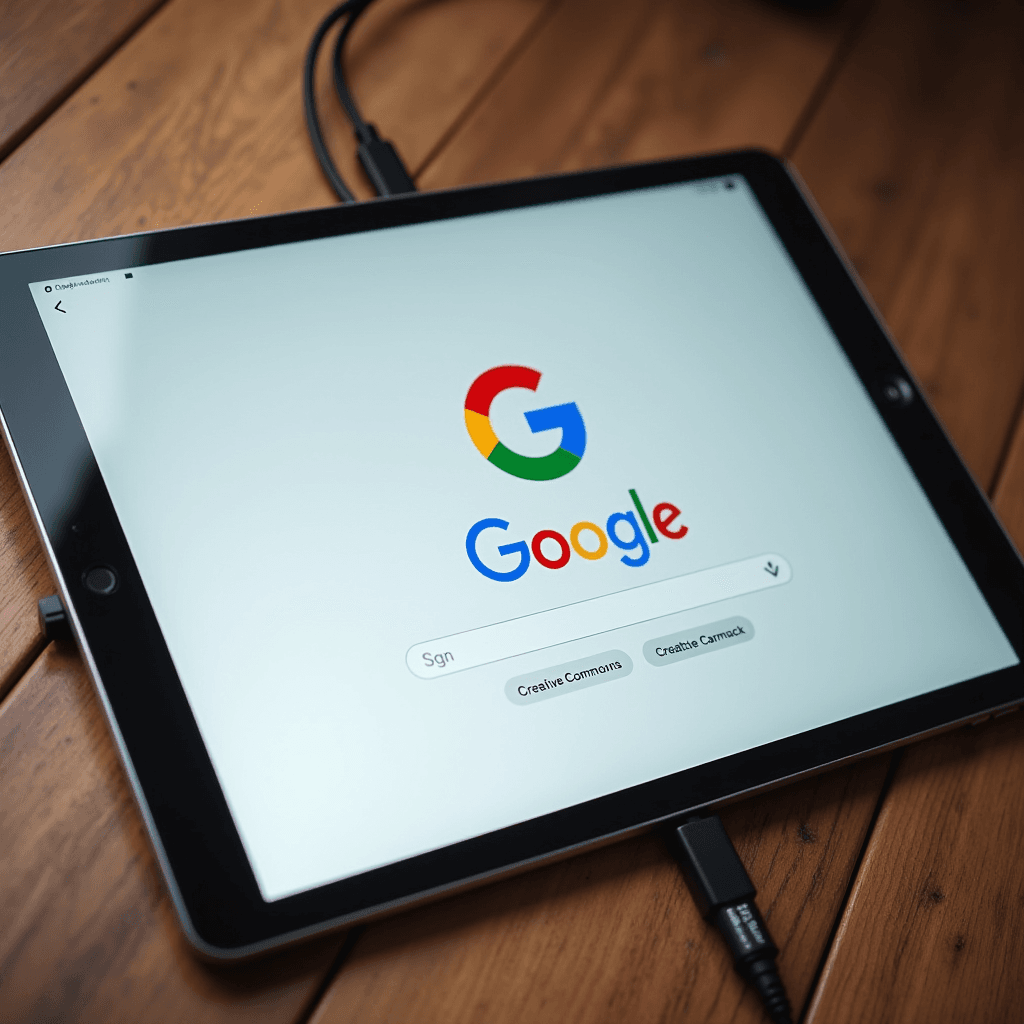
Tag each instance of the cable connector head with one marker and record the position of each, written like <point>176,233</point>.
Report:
<point>53,620</point>
<point>724,895</point>
<point>713,870</point>
<point>382,163</point>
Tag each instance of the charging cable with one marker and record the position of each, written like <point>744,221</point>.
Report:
<point>379,158</point>
<point>724,894</point>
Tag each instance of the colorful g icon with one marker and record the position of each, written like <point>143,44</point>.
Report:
<point>566,417</point>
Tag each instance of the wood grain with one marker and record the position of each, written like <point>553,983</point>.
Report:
<point>88,931</point>
<point>608,83</point>
<point>613,935</point>
<point>49,47</point>
<point>916,157</point>
<point>932,932</point>
<point>199,117</point>
<point>24,578</point>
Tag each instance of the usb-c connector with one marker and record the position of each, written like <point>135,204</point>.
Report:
<point>724,895</point>
<point>382,163</point>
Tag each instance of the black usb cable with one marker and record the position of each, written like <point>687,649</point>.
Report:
<point>724,894</point>
<point>379,157</point>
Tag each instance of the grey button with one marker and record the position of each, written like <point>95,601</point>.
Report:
<point>100,579</point>
<point>664,650</point>
<point>574,675</point>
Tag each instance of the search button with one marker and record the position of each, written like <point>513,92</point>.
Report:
<point>574,675</point>
<point>664,650</point>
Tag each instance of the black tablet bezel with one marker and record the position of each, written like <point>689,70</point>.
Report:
<point>204,862</point>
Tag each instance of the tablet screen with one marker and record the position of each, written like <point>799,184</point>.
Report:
<point>452,525</point>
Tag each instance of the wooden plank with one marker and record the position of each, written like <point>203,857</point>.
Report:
<point>608,83</point>
<point>24,578</point>
<point>916,158</point>
<point>200,117</point>
<point>88,929</point>
<point>932,930</point>
<point>614,935</point>
<point>930,933</point>
<point>49,48</point>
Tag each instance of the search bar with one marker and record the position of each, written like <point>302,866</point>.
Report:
<point>476,647</point>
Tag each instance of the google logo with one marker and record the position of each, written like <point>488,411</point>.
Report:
<point>562,460</point>
<point>621,528</point>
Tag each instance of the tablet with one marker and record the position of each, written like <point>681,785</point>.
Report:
<point>412,543</point>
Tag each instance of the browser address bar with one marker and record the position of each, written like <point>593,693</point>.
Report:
<point>475,647</point>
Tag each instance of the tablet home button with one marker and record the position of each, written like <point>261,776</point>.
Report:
<point>100,579</point>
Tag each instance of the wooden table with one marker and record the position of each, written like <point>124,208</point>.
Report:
<point>894,886</point>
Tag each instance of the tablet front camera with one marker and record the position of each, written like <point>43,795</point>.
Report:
<point>896,391</point>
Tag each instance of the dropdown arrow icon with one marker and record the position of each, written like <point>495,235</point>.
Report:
<point>772,568</point>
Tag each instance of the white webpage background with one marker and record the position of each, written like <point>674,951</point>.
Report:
<point>281,432</point>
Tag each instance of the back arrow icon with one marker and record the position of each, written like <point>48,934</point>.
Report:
<point>772,568</point>
<point>57,307</point>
